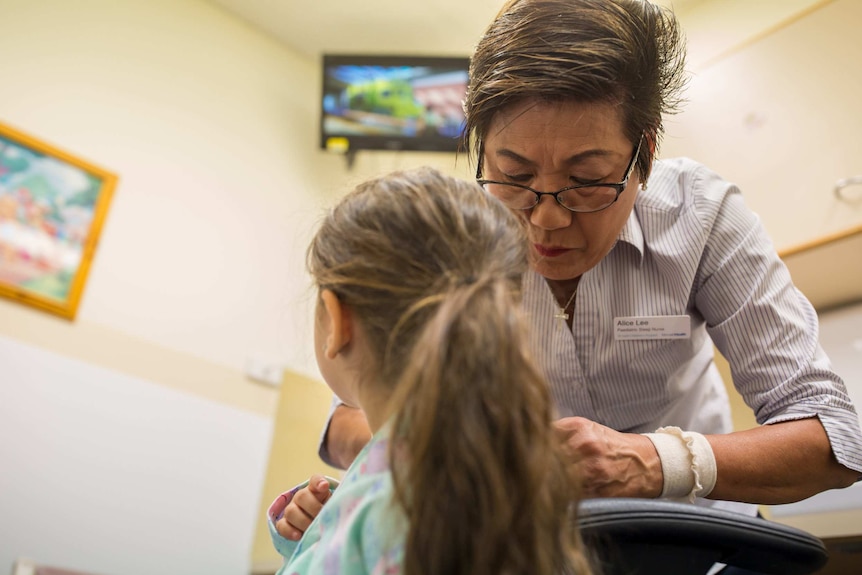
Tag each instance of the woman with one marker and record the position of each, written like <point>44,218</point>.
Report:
<point>633,284</point>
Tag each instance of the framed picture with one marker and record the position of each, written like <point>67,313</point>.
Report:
<point>52,206</point>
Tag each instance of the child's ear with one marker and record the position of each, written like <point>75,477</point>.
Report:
<point>340,328</point>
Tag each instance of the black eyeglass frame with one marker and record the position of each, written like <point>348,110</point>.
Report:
<point>619,186</point>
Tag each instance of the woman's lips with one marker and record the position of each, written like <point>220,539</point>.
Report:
<point>549,251</point>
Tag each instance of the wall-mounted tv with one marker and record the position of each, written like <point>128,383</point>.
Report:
<point>392,103</point>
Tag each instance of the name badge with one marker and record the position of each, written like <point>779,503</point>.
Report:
<point>652,327</point>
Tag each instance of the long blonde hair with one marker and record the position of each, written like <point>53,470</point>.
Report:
<point>432,267</point>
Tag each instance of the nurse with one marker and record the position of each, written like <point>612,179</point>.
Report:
<point>639,268</point>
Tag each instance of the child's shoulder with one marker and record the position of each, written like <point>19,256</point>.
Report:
<point>360,528</point>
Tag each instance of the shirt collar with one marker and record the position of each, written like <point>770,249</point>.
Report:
<point>633,234</point>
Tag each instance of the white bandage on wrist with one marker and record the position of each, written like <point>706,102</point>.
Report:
<point>687,463</point>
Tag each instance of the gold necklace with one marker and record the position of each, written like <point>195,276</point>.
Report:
<point>562,315</point>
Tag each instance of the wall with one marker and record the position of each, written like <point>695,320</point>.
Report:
<point>130,439</point>
<point>778,115</point>
<point>205,123</point>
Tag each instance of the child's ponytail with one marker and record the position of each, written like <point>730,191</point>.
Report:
<point>483,480</point>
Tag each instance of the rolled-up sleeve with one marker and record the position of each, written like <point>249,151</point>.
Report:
<point>766,328</point>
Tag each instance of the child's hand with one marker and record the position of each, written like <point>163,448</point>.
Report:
<point>303,508</point>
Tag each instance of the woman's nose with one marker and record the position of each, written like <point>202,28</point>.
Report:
<point>550,215</point>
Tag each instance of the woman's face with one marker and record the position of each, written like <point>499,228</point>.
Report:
<point>551,145</point>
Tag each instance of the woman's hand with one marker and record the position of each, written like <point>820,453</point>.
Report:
<point>610,463</point>
<point>303,508</point>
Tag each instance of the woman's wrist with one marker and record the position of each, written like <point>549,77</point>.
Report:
<point>687,463</point>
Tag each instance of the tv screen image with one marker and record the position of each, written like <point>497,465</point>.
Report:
<point>393,103</point>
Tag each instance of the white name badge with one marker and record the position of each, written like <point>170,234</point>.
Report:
<point>652,327</point>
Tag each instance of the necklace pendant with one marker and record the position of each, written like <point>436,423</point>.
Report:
<point>563,314</point>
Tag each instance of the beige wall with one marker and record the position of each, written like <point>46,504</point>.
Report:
<point>778,114</point>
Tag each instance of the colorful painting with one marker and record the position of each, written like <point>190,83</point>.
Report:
<point>52,206</point>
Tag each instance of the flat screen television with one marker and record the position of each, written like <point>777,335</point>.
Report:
<point>392,103</point>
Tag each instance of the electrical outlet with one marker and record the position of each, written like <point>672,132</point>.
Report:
<point>264,371</point>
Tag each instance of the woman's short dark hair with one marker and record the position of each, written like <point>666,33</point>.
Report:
<point>628,53</point>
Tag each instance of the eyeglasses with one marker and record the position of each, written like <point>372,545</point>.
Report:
<point>582,198</point>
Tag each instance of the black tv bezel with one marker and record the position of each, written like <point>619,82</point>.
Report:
<point>388,142</point>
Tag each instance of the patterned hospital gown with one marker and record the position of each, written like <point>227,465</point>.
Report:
<point>359,530</point>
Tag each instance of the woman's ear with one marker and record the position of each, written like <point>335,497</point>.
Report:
<point>340,328</point>
<point>651,141</point>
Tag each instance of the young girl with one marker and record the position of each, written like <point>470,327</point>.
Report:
<point>418,324</point>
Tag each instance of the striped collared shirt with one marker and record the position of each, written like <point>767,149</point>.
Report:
<point>691,248</point>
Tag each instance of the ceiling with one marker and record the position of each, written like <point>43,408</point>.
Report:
<point>416,27</point>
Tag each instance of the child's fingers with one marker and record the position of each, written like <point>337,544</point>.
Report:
<point>303,508</point>
<point>319,486</point>
<point>308,502</point>
<point>295,519</point>
<point>299,514</point>
<point>287,530</point>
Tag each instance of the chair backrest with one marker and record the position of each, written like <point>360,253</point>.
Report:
<point>656,537</point>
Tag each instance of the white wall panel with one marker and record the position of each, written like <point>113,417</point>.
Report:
<point>107,473</point>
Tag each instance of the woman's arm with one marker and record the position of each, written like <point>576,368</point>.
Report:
<point>809,439</point>
<point>771,464</point>
<point>778,463</point>
<point>346,435</point>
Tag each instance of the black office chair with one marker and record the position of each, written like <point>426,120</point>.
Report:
<point>656,537</point>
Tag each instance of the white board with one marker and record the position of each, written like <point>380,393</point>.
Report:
<point>110,474</point>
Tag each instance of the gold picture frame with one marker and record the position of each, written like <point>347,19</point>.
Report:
<point>52,208</point>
